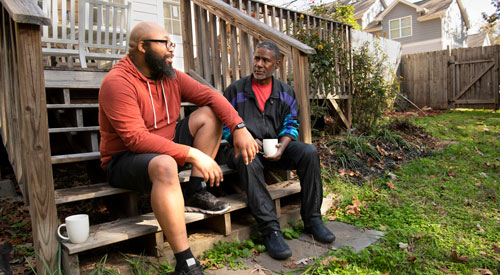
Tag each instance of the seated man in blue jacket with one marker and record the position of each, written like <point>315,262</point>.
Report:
<point>269,110</point>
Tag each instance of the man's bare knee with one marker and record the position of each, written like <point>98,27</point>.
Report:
<point>162,167</point>
<point>203,117</point>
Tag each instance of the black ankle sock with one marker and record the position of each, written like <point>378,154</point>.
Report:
<point>184,259</point>
<point>195,184</point>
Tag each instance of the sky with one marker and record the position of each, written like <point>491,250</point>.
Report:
<point>473,7</point>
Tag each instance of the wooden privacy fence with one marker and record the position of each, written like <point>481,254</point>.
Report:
<point>24,125</point>
<point>465,77</point>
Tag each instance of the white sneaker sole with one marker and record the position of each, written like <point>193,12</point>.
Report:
<point>205,211</point>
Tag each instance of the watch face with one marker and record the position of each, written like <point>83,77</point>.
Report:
<point>241,125</point>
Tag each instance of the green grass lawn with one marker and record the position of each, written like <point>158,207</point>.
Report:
<point>441,214</point>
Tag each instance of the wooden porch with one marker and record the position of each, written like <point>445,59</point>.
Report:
<point>44,107</point>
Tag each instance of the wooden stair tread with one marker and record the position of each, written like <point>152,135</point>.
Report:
<point>72,79</point>
<point>74,129</point>
<point>85,192</point>
<point>128,228</point>
<point>75,157</point>
<point>73,106</point>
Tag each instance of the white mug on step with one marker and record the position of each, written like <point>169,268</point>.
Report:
<point>269,146</point>
<point>77,227</point>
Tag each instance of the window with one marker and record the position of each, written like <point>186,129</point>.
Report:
<point>172,16</point>
<point>399,28</point>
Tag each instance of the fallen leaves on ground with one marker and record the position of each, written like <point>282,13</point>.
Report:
<point>354,209</point>
<point>336,154</point>
<point>411,259</point>
<point>303,261</point>
<point>390,184</point>
<point>482,271</point>
<point>290,265</point>
<point>455,257</point>
<point>261,270</point>
<point>496,248</point>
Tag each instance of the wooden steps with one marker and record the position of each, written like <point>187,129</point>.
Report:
<point>74,129</point>
<point>57,159</point>
<point>86,192</point>
<point>73,110</point>
<point>73,106</point>
<point>125,229</point>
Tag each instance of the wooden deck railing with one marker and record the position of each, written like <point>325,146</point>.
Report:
<point>24,126</point>
<point>225,38</point>
<point>288,21</point>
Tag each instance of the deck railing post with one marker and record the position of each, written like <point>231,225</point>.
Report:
<point>23,80</point>
<point>35,146</point>
<point>301,86</point>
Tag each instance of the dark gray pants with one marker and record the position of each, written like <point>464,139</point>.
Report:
<point>299,156</point>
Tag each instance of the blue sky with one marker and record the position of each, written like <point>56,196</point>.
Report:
<point>473,7</point>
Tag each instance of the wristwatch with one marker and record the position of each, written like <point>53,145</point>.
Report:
<point>239,126</point>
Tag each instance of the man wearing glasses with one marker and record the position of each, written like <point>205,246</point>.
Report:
<point>143,145</point>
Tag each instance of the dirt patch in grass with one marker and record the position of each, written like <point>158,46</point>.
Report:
<point>365,156</point>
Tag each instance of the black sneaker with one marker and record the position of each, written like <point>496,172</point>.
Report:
<point>193,269</point>
<point>320,232</point>
<point>205,202</point>
<point>276,246</point>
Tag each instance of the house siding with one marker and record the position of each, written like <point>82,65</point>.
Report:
<point>371,13</point>
<point>152,10</point>
<point>427,33</point>
<point>454,28</point>
<point>147,10</point>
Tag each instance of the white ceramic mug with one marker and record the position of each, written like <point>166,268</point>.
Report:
<point>269,145</point>
<point>77,227</point>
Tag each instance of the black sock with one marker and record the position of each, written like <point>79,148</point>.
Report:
<point>184,259</point>
<point>195,184</point>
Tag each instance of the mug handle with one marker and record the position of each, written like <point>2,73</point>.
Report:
<point>59,232</point>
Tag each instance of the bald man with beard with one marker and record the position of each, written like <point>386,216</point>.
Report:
<point>143,145</point>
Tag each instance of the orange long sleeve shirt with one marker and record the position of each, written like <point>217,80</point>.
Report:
<point>139,114</point>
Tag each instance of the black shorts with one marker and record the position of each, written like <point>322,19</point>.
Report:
<point>129,170</point>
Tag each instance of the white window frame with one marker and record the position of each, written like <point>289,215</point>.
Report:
<point>400,28</point>
<point>175,3</point>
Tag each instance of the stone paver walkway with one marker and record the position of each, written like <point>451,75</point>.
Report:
<point>305,247</point>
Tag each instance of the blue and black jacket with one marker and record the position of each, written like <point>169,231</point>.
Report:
<point>281,112</point>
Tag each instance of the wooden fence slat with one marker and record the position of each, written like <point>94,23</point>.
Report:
<point>496,76</point>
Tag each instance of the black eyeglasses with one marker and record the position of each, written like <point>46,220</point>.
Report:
<point>168,44</point>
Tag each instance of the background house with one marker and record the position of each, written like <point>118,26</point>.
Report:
<point>364,10</point>
<point>478,40</point>
<point>422,26</point>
